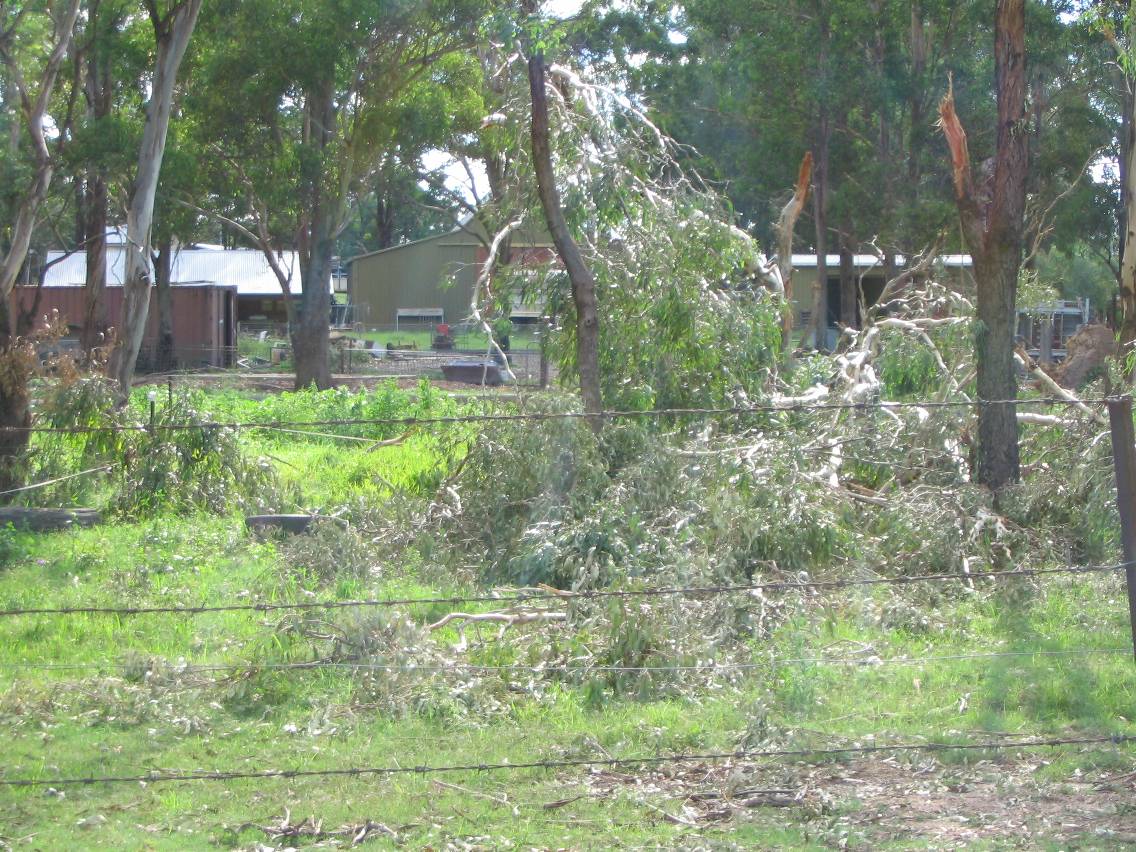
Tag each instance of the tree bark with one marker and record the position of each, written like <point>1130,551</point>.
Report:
<point>786,224</point>
<point>820,194</point>
<point>94,328</point>
<point>849,295</point>
<point>172,35</point>
<point>165,358</point>
<point>98,93</point>
<point>993,233</point>
<point>15,360</point>
<point>1127,223</point>
<point>581,278</point>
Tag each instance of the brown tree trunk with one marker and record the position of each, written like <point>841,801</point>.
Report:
<point>849,292</point>
<point>993,233</point>
<point>580,276</point>
<point>94,328</point>
<point>165,358</point>
<point>820,195</point>
<point>15,412</point>
<point>98,92</point>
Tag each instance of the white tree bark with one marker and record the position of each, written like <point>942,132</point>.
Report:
<point>172,34</point>
<point>34,105</point>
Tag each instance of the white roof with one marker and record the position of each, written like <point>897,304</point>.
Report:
<point>246,269</point>
<point>867,261</point>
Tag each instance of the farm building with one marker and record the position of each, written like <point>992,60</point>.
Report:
<point>431,280</point>
<point>213,290</point>
<point>870,278</point>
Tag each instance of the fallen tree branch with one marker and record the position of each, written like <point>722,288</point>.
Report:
<point>1046,381</point>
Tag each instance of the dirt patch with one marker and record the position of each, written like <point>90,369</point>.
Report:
<point>869,802</point>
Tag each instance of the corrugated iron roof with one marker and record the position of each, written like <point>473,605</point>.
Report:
<point>867,261</point>
<point>246,269</point>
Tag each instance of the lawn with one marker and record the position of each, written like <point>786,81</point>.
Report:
<point>104,694</point>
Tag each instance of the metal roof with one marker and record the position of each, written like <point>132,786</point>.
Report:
<point>867,261</point>
<point>246,269</point>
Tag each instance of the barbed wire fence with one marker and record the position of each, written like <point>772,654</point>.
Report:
<point>1120,410</point>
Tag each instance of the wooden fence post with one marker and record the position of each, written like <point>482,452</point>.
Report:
<point>1124,462</point>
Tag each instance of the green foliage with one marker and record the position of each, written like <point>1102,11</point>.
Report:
<point>151,468</point>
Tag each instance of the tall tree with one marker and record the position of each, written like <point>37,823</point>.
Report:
<point>992,218</point>
<point>330,91</point>
<point>172,30</point>
<point>32,78</point>
<point>579,275</point>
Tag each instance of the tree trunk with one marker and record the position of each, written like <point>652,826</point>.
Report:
<point>165,358</point>
<point>784,228</point>
<point>820,195</point>
<point>311,348</point>
<point>94,328</point>
<point>993,233</point>
<point>15,362</point>
<point>1128,221</point>
<point>580,276</point>
<point>172,35</point>
<point>849,292</point>
<point>14,409</point>
<point>98,93</point>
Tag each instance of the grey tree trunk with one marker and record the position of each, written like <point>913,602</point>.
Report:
<point>172,35</point>
<point>580,276</point>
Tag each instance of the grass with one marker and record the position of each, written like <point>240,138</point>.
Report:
<point>142,711</point>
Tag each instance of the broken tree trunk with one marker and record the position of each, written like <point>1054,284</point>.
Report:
<point>786,224</point>
<point>992,226</point>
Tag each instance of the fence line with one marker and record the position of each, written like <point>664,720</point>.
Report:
<point>561,415</point>
<point>409,668</point>
<point>100,469</point>
<point>654,760</point>
<point>555,594</point>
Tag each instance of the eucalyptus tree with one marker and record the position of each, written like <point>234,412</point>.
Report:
<point>992,215</point>
<point>31,75</point>
<point>172,26</point>
<point>302,104</point>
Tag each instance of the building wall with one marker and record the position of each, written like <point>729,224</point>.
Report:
<point>203,317</point>
<point>416,275</point>
<point>437,272</point>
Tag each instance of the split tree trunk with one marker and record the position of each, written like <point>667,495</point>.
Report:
<point>993,233</point>
<point>580,276</point>
<point>172,35</point>
<point>786,224</point>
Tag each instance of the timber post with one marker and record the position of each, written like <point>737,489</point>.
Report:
<point>1124,463</point>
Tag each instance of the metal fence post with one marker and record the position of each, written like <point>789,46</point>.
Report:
<point>1124,462</point>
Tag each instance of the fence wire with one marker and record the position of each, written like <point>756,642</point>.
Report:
<point>156,777</point>
<point>774,408</point>
<point>565,596</point>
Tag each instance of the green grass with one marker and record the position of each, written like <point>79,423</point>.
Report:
<point>138,711</point>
